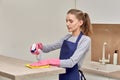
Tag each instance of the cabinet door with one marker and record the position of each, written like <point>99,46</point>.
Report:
<point>52,77</point>
<point>90,76</point>
<point>113,79</point>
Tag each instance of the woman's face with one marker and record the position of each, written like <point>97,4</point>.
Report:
<point>73,24</point>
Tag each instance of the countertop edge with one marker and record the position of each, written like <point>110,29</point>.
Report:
<point>114,74</point>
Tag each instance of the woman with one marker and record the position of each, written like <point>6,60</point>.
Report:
<point>73,46</point>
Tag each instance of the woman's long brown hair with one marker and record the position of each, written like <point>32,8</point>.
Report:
<point>87,26</point>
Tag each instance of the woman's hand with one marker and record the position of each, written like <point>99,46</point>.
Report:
<point>35,48</point>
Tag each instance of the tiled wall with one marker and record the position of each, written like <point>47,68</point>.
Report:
<point>109,33</point>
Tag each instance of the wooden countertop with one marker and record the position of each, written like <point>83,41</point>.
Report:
<point>114,74</point>
<point>15,68</point>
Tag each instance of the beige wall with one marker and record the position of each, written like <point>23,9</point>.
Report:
<point>101,11</point>
<point>23,22</point>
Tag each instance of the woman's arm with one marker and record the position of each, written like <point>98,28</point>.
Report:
<point>54,46</point>
<point>82,49</point>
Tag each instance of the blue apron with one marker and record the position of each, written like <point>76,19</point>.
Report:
<point>67,50</point>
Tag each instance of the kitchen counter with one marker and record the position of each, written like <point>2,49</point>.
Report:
<point>97,70</point>
<point>15,69</point>
<point>115,74</point>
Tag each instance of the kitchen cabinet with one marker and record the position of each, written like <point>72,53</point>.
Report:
<point>91,76</point>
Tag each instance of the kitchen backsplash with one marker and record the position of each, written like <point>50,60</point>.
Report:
<point>109,33</point>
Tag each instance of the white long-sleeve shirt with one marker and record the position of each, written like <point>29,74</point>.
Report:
<point>79,54</point>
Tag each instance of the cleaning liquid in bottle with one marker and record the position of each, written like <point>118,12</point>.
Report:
<point>115,57</point>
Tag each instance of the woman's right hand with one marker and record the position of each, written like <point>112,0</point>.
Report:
<point>35,48</point>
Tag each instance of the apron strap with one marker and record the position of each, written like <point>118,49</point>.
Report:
<point>80,35</point>
<point>82,75</point>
